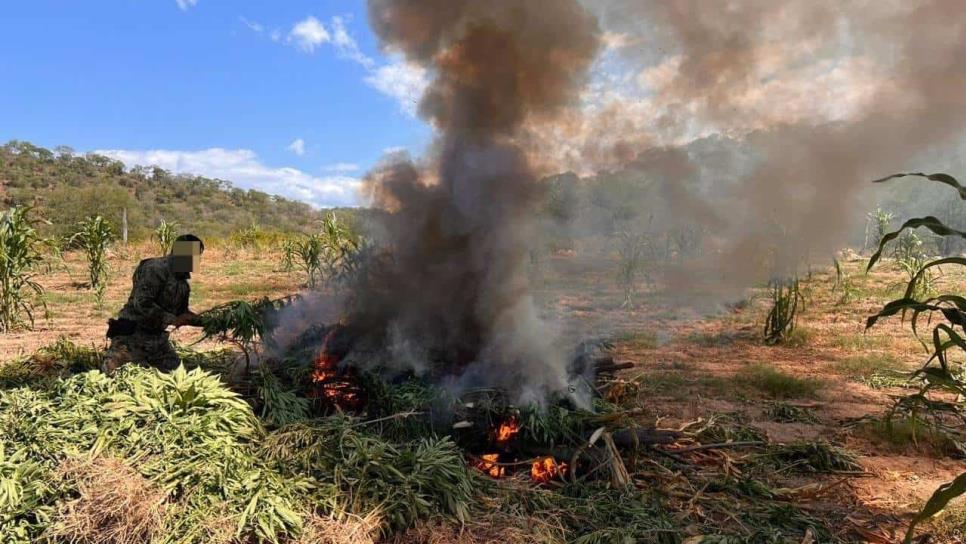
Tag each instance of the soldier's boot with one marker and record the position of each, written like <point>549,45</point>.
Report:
<point>115,356</point>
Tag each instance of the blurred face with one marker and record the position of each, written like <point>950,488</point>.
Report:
<point>186,256</point>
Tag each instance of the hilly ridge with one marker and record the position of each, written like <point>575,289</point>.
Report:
<point>64,187</point>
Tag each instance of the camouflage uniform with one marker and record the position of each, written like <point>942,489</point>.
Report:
<point>158,297</point>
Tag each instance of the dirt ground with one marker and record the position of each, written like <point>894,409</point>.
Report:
<point>691,368</point>
<point>689,365</point>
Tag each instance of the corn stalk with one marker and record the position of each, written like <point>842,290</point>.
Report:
<point>937,374</point>
<point>165,235</point>
<point>877,225</point>
<point>94,236</point>
<point>328,254</point>
<point>787,298</point>
<point>21,254</point>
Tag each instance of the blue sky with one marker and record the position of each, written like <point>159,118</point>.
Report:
<point>291,97</point>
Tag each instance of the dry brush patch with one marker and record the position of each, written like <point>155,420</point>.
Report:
<point>344,529</point>
<point>115,504</point>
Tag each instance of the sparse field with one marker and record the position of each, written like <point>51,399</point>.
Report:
<point>226,274</point>
<point>831,466</point>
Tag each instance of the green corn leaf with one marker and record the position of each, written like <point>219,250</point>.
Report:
<point>929,222</point>
<point>911,288</point>
<point>901,305</point>
<point>941,178</point>
<point>937,503</point>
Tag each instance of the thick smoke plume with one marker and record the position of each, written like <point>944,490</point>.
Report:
<point>759,122</point>
<point>458,224</point>
<point>821,97</point>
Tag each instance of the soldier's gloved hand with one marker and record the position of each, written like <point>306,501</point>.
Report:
<point>186,319</point>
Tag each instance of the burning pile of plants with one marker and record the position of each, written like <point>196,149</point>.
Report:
<point>300,444</point>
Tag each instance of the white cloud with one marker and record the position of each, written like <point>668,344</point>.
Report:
<point>309,34</point>
<point>297,147</point>
<point>252,25</point>
<point>341,167</point>
<point>347,45</point>
<point>185,4</point>
<point>402,80</point>
<point>243,168</point>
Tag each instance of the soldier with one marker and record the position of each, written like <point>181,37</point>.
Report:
<point>158,300</point>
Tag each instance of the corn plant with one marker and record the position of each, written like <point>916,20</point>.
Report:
<point>251,237</point>
<point>165,234</point>
<point>844,283</point>
<point>683,242</point>
<point>326,255</point>
<point>289,247</point>
<point>21,255</point>
<point>339,245</point>
<point>877,225</point>
<point>937,374</point>
<point>308,257</point>
<point>94,236</point>
<point>787,299</point>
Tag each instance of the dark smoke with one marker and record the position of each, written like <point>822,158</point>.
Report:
<point>459,225</point>
<point>760,122</point>
<point>823,96</point>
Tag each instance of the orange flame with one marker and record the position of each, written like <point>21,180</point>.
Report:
<point>508,429</point>
<point>329,385</point>
<point>546,469</point>
<point>487,464</point>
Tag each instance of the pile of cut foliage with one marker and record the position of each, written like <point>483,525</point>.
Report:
<point>205,454</point>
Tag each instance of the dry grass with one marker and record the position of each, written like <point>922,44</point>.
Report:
<point>490,529</point>
<point>348,530</point>
<point>950,526</point>
<point>116,504</point>
<point>220,526</point>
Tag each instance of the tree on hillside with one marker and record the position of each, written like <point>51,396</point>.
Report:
<point>68,206</point>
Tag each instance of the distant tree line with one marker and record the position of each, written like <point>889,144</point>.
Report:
<point>65,188</point>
